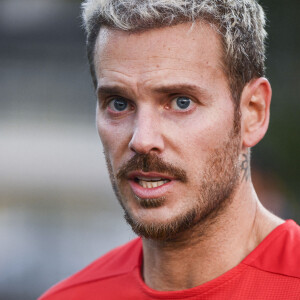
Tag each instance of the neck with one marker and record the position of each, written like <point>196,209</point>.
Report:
<point>211,248</point>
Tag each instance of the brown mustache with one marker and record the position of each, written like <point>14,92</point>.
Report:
<point>151,163</point>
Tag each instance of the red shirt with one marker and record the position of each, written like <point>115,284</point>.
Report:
<point>270,271</point>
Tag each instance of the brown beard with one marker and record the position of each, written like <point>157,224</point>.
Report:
<point>216,188</point>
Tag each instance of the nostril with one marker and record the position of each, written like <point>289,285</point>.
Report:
<point>143,146</point>
<point>146,137</point>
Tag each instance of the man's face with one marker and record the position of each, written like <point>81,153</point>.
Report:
<point>166,120</point>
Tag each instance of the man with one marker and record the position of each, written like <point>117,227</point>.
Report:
<point>181,100</point>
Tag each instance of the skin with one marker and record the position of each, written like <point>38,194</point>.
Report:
<point>139,65</point>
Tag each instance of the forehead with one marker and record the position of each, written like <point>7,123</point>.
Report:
<point>169,51</point>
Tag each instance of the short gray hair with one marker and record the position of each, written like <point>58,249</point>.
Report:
<point>240,24</point>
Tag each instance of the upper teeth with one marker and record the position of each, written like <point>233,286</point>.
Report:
<point>150,183</point>
<point>149,179</point>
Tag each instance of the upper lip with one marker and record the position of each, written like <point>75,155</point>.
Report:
<point>136,174</point>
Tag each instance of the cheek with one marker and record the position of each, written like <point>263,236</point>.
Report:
<point>104,134</point>
<point>196,136</point>
<point>197,139</point>
<point>114,138</point>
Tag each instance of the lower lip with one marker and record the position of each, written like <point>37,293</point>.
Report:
<point>149,193</point>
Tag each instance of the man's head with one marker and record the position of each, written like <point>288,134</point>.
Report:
<point>173,138</point>
<point>240,24</point>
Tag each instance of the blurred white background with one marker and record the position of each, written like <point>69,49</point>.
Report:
<point>57,209</point>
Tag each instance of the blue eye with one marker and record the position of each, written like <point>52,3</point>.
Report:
<point>181,103</point>
<point>118,104</point>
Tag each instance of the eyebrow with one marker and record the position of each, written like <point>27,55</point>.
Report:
<point>110,90</point>
<point>160,89</point>
<point>179,87</point>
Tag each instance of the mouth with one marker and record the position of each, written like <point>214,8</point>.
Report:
<point>150,183</point>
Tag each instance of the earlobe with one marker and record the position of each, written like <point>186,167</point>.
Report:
<point>255,110</point>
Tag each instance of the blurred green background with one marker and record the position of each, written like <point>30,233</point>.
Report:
<point>57,210</point>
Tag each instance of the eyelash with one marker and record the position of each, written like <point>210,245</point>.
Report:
<point>109,100</point>
<point>105,104</point>
<point>181,110</point>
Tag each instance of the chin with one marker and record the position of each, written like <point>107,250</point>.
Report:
<point>157,226</point>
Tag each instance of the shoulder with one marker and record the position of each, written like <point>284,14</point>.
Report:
<point>117,262</point>
<point>279,253</point>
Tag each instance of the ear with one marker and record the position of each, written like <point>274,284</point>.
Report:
<point>255,110</point>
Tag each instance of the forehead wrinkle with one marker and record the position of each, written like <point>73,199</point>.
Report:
<point>142,87</point>
<point>148,67</point>
<point>161,60</point>
<point>115,71</point>
<point>146,83</point>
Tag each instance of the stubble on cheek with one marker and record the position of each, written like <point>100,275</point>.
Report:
<point>219,180</point>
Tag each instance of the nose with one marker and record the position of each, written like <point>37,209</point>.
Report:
<point>147,136</point>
